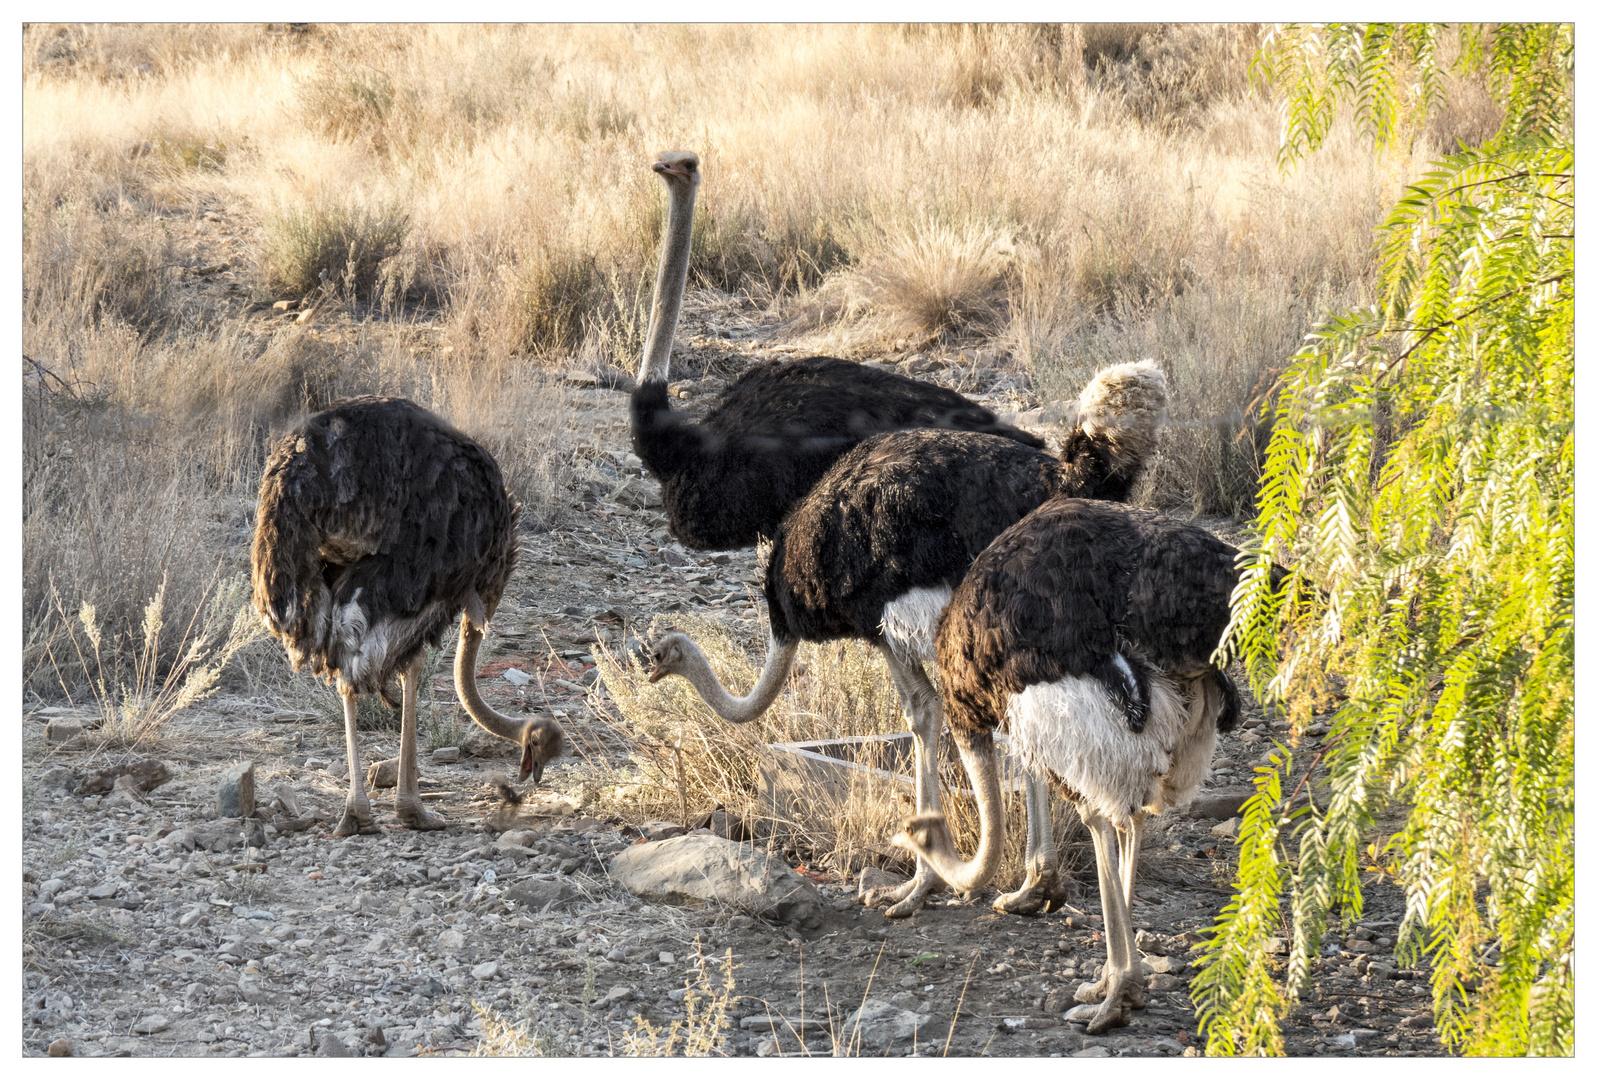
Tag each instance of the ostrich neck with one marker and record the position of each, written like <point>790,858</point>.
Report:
<point>669,285</point>
<point>981,762</point>
<point>740,710</point>
<point>466,686</point>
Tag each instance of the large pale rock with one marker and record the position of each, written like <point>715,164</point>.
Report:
<point>877,1024</point>
<point>63,730</point>
<point>479,743</point>
<point>698,869</point>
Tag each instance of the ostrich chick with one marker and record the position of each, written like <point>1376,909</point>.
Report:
<point>1086,630</point>
<point>378,525</point>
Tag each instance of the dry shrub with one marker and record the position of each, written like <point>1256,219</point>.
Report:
<point>330,241</point>
<point>687,760</point>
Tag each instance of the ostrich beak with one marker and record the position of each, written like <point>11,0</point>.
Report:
<point>529,767</point>
<point>657,674</point>
<point>662,168</point>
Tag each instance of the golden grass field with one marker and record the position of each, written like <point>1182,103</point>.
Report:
<point>474,204</point>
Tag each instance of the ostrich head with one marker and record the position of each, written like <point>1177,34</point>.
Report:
<point>672,655</point>
<point>541,742</point>
<point>678,168</point>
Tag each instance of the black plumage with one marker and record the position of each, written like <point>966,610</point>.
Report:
<point>377,502</point>
<point>1068,589</point>
<point>1086,631</point>
<point>378,526</point>
<point>875,547</point>
<point>731,476</point>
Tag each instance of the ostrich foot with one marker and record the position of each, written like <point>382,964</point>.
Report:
<point>905,899</point>
<point>1093,993</point>
<point>1037,895</point>
<point>1111,1014</point>
<point>356,819</point>
<point>415,814</point>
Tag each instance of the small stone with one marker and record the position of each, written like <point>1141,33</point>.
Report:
<point>1164,965</point>
<point>484,972</point>
<point>1163,982</point>
<point>1222,804</point>
<point>236,796</point>
<point>536,894</point>
<point>519,837</point>
<point>452,939</point>
<point>873,878</point>
<point>1379,970</point>
<point>1093,1052</point>
<point>191,916</point>
<point>1227,829</point>
<point>617,995</point>
<point>152,1024</point>
<point>660,830</point>
<point>254,833</point>
<point>289,800</point>
<point>1276,946</point>
<point>668,958</point>
<point>59,778</point>
<point>103,891</point>
<point>125,792</point>
<point>446,755</point>
<point>616,955</point>
<point>383,774</point>
<point>63,730</point>
<point>1149,945</point>
<point>332,1046</point>
<point>285,305</point>
<point>60,1048</point>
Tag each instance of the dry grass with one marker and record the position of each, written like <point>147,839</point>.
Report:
<point>687,760</point>
<point>471,204</point>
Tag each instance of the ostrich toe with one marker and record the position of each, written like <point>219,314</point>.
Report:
<point>901,901</point>
<point>356,819</point>
<point>1038,894</point>
<point>415,815</point>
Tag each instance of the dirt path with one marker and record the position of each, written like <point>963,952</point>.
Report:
<point>150,929</point>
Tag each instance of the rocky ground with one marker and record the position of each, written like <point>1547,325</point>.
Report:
<point>159,923</point>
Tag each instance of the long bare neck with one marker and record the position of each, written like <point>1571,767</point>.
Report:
<point>740,710</point>
<point>669,284</point>
<point>981,762</point>
<point>466,686</point>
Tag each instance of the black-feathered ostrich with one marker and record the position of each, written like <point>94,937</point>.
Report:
<point>731,476</point>
<point>378,525</point>
<point>876,548</point>
<point>1085,631</point>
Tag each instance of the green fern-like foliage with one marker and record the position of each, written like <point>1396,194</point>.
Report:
<point>1420,479</point>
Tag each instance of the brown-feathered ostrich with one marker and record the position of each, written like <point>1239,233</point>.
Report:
<point>1085,631</point>
<point>378,525</point>
<point>730,476</point>
<point>876,548</point>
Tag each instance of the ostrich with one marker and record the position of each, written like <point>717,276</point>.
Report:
<point>1086,630</point>
<point>876,548</point>
<point>731,476</point>
<point>378,524</point>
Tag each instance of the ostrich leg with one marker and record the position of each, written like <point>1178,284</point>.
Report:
<point>1120,989</point>
<point>357,809</point>
<point>925,714</point>
<point>1042,890</point>
<point>407,800</point>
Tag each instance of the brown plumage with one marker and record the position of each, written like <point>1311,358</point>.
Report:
<point>379,525</point>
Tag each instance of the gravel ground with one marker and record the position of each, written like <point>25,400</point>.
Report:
<point>152,929</point>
